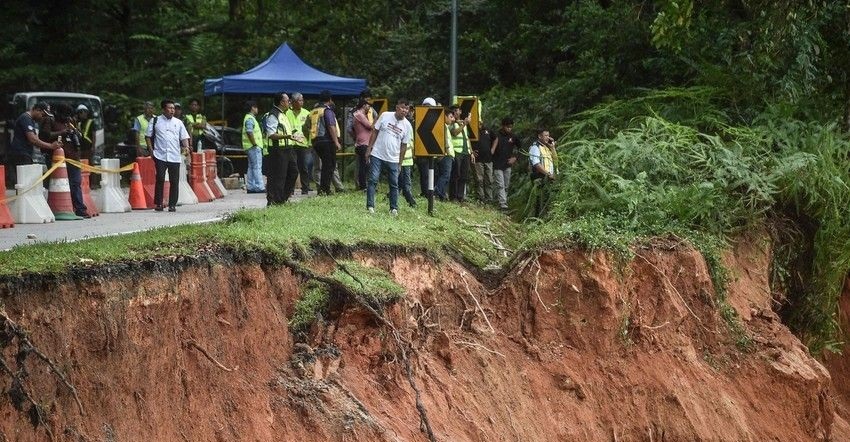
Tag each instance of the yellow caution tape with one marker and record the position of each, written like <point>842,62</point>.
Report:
<point>32,186</point>
<point>97,169</point>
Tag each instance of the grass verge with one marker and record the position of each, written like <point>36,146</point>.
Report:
<point>339,219</point>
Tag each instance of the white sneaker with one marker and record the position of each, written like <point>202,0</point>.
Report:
<point>371,209</point>
<point>394,212</point>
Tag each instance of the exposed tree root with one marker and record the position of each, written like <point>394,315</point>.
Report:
<point>401,343</point>
<point>25,344</point>
<point>36,411</point>
<point>192,343</point>
<point>477,304</point>
<point>485,230</point>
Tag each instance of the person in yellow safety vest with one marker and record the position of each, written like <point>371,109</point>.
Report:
<point>445,163</point>
<point>462,149</point>
<point>87,135</point>
<point>252,142</point>
<point>297,116</point>
<point>281,169</point>
<point>542,159</point>
<point>404,179</point>
<point>140,126</point>
<point>196,122</point>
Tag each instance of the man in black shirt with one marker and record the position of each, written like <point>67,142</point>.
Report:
<point>504,156</point>
<point>25,139</point>
<point>484,164</point>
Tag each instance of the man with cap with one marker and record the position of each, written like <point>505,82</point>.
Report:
<point>87,134</point>
<point>140,127</point>
<point>62,127</point>
<point>24,139</point>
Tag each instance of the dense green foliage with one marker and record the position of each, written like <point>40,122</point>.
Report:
<point>651,166</point>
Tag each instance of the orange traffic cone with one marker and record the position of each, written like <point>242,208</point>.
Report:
<point>137,191</point>
<point>59,190</point>
<point>6,220</point>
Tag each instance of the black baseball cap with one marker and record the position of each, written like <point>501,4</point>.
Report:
<point>44,107</point>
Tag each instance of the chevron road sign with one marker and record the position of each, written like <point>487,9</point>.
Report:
<point>430,132</point>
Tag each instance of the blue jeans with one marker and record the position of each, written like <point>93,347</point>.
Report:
<point>375,167</point>
<point>254,180</point>
<point>304,159</point>
<point>444,174</point>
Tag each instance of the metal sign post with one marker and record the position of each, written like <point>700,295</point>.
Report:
<point>429,141</point>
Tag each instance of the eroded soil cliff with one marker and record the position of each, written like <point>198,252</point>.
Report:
<point>568,346</point>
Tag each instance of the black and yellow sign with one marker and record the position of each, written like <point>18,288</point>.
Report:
<point>472,107</point>
<point>380,105</point>
<point>429,130</point>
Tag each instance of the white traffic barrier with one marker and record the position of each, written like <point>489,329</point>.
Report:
<point>218,182</point>
<point>186,195</point>
<point>31,206</point>
<point>112,198</point>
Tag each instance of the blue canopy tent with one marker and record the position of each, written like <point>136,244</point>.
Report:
<point>284,71</point>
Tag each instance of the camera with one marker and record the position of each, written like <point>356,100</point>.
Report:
<point>72,137</point>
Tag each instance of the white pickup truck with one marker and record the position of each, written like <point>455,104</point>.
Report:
<point>23,101</point>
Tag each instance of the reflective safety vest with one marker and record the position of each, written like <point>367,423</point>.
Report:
<point>317,123</point>
<point>460,142</point>
<point>408,156</point>
<point>450,152</point>
<point>258,133</point>
<point>284,127</point>
<point>297,121</point>
<point>546,159</point>
<point>85,131</point>
<point>191,120</point>
<point>143,128</point>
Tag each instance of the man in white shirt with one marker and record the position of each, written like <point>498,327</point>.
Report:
<point>164,138</point>
<point>390,139</point>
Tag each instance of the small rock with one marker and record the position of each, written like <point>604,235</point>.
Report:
<point>31,236</point>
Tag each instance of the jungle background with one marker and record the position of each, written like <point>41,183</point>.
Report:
<point>691,120</point>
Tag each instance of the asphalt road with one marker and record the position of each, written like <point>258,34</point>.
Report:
<point>135,221</point>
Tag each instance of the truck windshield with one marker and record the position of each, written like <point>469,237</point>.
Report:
<point>95,111</point>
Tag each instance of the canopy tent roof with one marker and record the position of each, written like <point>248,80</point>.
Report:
<point>284,71</point>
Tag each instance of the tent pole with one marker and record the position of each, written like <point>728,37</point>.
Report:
<point>222,112</point>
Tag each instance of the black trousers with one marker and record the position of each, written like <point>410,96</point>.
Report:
<point>304,157</point>
<point>173,177</point>
<point>362,168</point>
<point>460,176</point>
<point>326,151</point>
<point>282,172</point>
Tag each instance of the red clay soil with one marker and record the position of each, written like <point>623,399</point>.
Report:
<point>839,367</point>
<point>569,347</point>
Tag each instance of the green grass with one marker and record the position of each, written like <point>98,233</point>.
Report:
<point>340,219</point>
<point>314,299</point>
<point>372,284</point>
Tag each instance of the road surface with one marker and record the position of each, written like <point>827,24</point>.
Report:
<point>134,221</point>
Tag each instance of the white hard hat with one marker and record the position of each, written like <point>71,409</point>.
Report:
<point>429,102</point>
<point>82,107</point>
